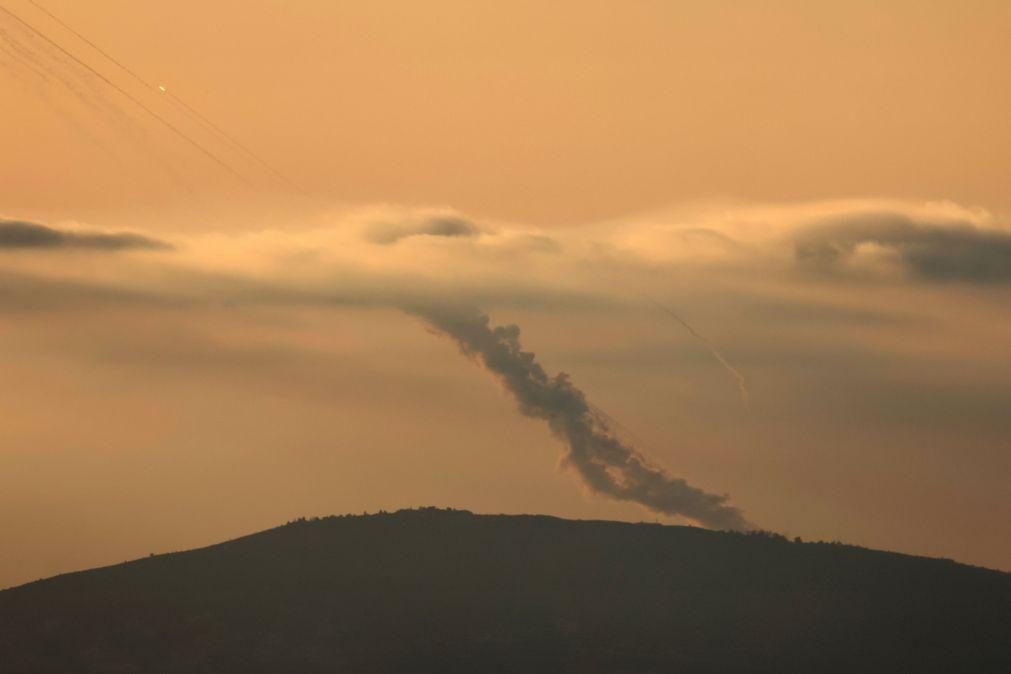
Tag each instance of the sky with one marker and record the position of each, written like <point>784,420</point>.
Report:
<point>767,243</point>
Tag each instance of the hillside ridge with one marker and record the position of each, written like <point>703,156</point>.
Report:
<point>432,590</point>
<point>757,534</point>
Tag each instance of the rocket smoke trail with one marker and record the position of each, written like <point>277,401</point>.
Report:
<point>742,385</point>
<point>606,465</point>
<point>25,63</point>
<point>130,97</point>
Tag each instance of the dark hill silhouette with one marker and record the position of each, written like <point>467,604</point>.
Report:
<point>447,591</point>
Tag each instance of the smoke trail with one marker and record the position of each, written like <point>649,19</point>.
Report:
<point>43,64</point>
<point>27,65</point>
<point>20,55</point>
<point>742,385</point>
<point>606,465</point>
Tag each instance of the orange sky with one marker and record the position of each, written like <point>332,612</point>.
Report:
<point>559,113</point>
<point>603,151</point>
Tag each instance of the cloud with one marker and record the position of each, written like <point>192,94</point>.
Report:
<point>935,250</point>
<point>22,293</point>
<point>585,294</point>
<point>438,226</point>
<point>16,234</point>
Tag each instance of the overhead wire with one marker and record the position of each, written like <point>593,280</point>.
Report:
<point>133,99</point>
<point>160,90</point>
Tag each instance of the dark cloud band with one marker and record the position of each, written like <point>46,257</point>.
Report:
<point>451,227</point>
<point>953,250</point>
<point>17,234</point>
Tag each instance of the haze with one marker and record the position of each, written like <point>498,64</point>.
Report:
<point>818,189</point>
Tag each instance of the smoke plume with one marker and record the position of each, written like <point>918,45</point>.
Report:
<point>606,465</point>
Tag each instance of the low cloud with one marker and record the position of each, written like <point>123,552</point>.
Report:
<point>591,298</point>
<point>438,226</point>
<point>16,234</point>
<point>935,250</point>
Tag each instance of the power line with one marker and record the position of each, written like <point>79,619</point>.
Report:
<point>133,99</point>
<point>231,139</point>
<point>163,91</point>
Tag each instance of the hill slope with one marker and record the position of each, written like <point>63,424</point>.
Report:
<point>448,591</point>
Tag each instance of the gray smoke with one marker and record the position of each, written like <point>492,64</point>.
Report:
<point>607,465</point>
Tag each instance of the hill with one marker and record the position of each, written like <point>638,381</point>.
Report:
<point>448,591</point>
